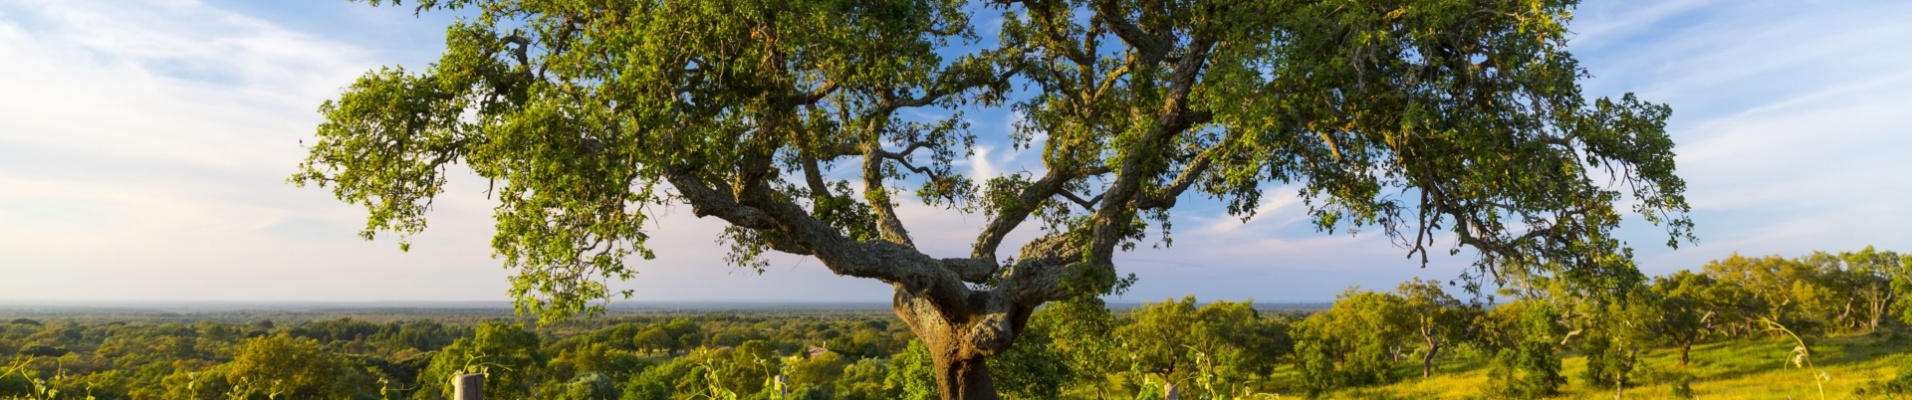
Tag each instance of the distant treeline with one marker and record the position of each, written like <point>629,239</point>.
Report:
<point>1072,349</point>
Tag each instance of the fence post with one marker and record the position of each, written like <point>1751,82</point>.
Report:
<point>468,387</point>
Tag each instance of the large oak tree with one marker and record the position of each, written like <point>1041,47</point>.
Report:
<point>1444,124</point>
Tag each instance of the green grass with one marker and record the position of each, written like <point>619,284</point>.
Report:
<point>1746,369</point>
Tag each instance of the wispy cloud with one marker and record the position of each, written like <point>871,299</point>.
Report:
<point>1598,23</point>
<point>1790,117</point>
<point>143,146</point>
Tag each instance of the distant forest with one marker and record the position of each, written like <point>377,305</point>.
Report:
<point>1363,345</point>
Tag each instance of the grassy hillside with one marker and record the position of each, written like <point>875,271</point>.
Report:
<point>1750,369</point>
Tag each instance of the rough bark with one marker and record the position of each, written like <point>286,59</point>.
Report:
<point>1683,348</point>
<point>961,339</point>
<point>966,379</point>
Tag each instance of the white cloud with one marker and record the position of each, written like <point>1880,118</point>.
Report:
<point>143,147</point>
<point>1790,119</point>
<point>981,167</point>
<point>1280,207</point>
<point>1819,150</point>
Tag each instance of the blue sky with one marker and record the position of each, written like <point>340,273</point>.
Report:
<point>144,144</point>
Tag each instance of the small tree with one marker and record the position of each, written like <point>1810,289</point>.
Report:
<point>507,354</point>
<point>1878,278</point>
<point>1157,338</point>
<point>1353,343</point>
<point>1617,330</point>
<point>1438,319</point>
<point>1530,368</point>
<point>1776,288</point>
<point>1689,309</point>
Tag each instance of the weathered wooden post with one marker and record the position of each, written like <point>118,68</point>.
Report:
<point>468,387</point>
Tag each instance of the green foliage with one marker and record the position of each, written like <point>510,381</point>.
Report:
<point>1612,333</point>
<point>1816,294</point>
<point>1439,320</point>
<point>588,386</point>
<point>1520,348</point>
<point>506,354</point>
<point>912,373</point>
<point>864,380</point>
<point>819,370</point>
<point>1608,363</point>
<point>1072,349</point>
<point>1080,328</point>
<point>1351,344</point>
<point>1682,387</point>
<point>282,366</point>
<point>41,350</point>
<point>1214,350</point>
<point>1529,371</point>
<point>1030,370</point>
<point>741,371</point>
<point>377,358</point>
<point>601,358</point>
<point>1688,309</point>
<point>679,334</point>
<point>1157,338</point>
<point>659,382</point>
<point>1531,368</point>
<point>493,108</point>
<point>806,392</point>
<point>589,117</point>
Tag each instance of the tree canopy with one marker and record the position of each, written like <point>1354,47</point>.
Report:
<point>799,125</point>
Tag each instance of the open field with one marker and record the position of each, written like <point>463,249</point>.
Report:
<point>1747,369</point>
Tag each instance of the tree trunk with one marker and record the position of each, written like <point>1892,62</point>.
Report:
<point>965,379</point>
<point>1683,348</point>
<point>1427,361</point>
<point>1845,317</point>
<point>960,340</point>
<point>1879,305</point>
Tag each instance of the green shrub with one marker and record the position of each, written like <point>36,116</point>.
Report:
<point>1531,368</point>
<point>1683,388</point>
<point>1531,371</point>
<point>1607,364</point>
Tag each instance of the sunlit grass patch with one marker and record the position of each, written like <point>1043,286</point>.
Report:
<point>1744,369</point>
